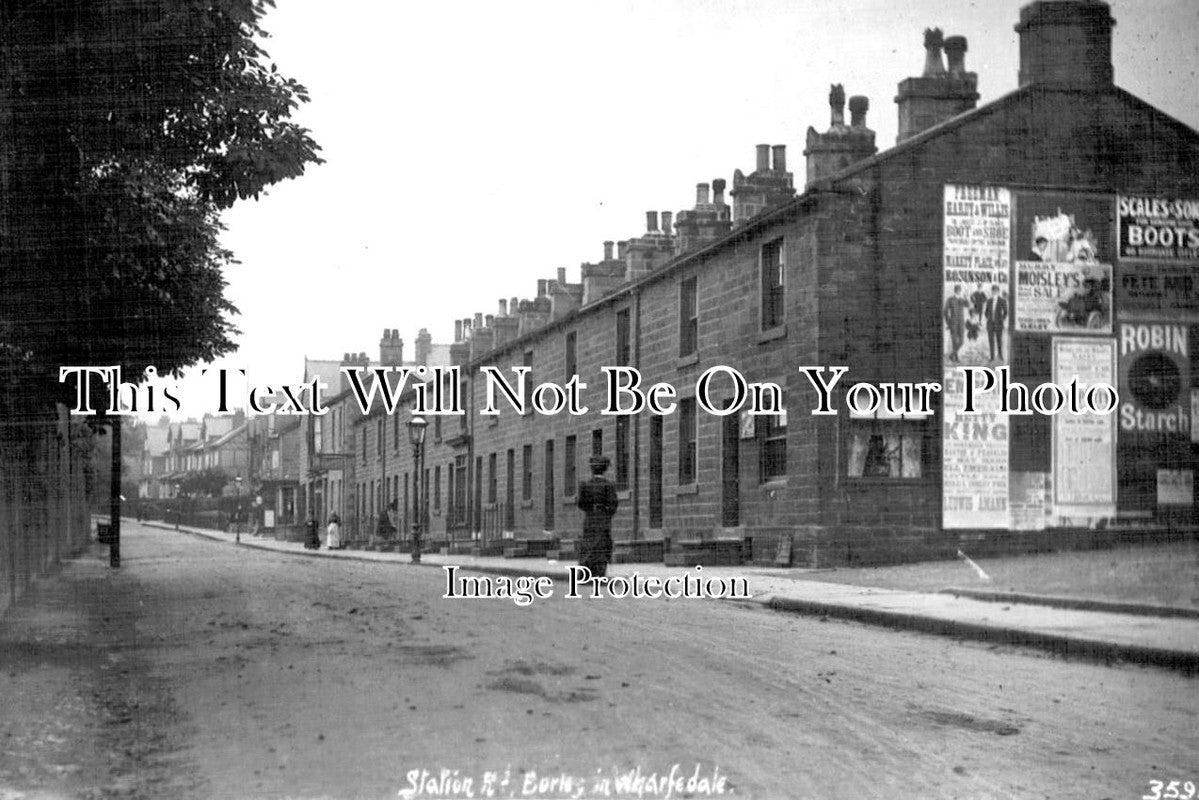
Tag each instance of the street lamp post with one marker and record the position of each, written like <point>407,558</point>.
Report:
<point>416,435</point>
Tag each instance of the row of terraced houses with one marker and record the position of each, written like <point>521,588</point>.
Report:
<point>861,267</point>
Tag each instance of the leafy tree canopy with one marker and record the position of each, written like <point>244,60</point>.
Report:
<point>126,126</point>
<point>204,483</point>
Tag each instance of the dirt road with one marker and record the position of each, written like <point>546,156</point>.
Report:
<point>204,670</point>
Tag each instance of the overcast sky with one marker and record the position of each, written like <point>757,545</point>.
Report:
<point>474,147</point>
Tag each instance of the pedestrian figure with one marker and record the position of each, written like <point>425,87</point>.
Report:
<point>597,499</point>
<point>312,540</point>
<point>333,533</point>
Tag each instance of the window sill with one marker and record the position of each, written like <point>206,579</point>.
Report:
<point>689,360</point>
<point>774,483</point>
<point>569,499</point>
<point>526,503</point>
<point>884,481</point>
<point>689,488</point>
<point>772,334</point>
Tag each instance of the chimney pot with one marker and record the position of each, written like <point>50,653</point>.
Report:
<point>514,306</point>
<point>763,158</point>
<point>478,319</point>
<point>488,321</point>
<point>780,158</point>
<point>503,307</point>
<point>718,191</point>
<point>667,222</point>
<point>836,104</point>
<point>651,221</point>
<point>955,53</point>
<point>934,67</point>
<point>701,194</point>
<point>858,106</point>
<point>607,251</point>
<point>457,330</point>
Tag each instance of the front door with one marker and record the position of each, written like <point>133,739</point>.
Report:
<point>730,472</point>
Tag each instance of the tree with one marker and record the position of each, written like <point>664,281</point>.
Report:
<point>207,482</point>
<point>126,127</point>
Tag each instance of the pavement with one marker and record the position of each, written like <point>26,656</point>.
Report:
<point>1079,629</point>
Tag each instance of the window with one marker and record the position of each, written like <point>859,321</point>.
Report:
<point>526,466</point>
<point>449,493</point>
<point>570,457</point>
<point>687,422</point>
<point>437,488</point>
<point>395,434</point>
<point>491,478</point>
<point>363,432</point>
<point>896,447</point>
<point>688,317</point>
<point>624,354</point>
<point>462,387</point>
<point>436,428</point>
<point>772,268</point>
<point>771,430</point>
<point>510,491</point>
<point>622,452</point>
<point>572,354</point>
<point>597,442</point>
<point>380,435</point>
<point>549,484</point>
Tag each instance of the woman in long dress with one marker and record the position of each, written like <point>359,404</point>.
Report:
<point>333,533</point>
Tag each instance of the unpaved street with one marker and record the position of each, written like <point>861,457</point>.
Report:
<point>204,670</point>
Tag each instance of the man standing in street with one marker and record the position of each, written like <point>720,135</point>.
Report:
<point>597,499</point>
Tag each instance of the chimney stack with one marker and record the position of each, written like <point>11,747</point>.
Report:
<point>858,106</point>
<point>667,222</point>
<point>607,251</point>
<point>542,289</point>
<point>478,319</point>
<point>701,194</point>
<point>651,221</point>
<point>1066,43</point>
<point>561,277</point>
<point>937,95</point>
<point>763,158</point>
<point>503,311</point>
<point>488,321</point>
<point>424,344</point>
<point>622,249</point>
<point>391,348</point>
<point>830,152</point>
<point>718,191</point>
<point>780,158</point>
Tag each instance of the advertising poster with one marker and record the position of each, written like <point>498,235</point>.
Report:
<point>1063,297</point>
<point>1158,291</point>
<point>976,302</point>
<point>1084,445</point>
<point>1155,382</point>
<point>1175,487</point>
<point>975,460</point>
<point>1028,501</point>
<point>1158,228</point>
<point>1062,249</point>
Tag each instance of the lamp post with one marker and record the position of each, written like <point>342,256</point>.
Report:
<point>416,435</point>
